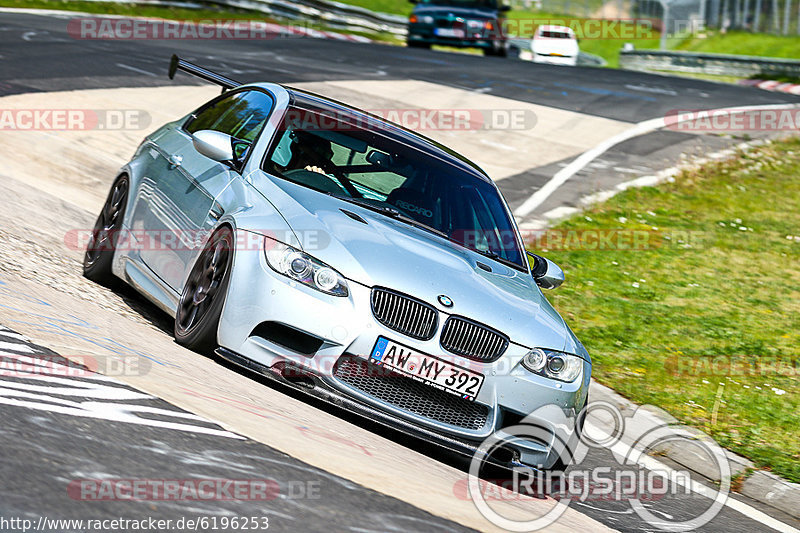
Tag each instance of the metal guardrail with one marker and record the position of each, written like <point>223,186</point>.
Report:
<point>331,13</point>
<point>722,64</point>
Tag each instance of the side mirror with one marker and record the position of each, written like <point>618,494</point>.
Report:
<point>413,1</point>
<point>546,274</point>
<point>504,8</point>
<point>214,145</point>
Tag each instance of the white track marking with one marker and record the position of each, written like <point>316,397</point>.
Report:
<point>16,347</point>
<point>134,69</point>
<point>11,335</point>
<point>623,450</point>
<point>52,393</point>
<point>588,156</point>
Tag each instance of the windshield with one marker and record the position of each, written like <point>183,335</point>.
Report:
<point>555,34</point>
<point>363,166</point>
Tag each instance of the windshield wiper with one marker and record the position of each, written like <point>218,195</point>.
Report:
<point>496,257</point>
<point>391,212</point>
<point>487,253</point>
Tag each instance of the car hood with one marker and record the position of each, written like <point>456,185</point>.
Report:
<point>466,13</point>
<point>384,252</point>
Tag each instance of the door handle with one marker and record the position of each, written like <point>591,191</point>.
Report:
<point>174,161</point>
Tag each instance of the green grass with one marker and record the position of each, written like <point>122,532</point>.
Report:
<point>783,78</point>
<point>396,7</point>
<point>743,43</point>
<point>713,289</point>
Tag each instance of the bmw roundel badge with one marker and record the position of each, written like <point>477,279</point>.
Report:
<point>445,300</point>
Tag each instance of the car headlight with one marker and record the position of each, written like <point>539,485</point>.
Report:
<point>426,19</point>
<point>552,364</point>
<point>301,267</point>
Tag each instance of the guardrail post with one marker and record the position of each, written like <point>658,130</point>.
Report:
<point>787,8</point>
<point>775,22</point>
<point>757,17</point>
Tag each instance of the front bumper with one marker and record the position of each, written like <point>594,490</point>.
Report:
<point>570,61</point>
<point>427,37</point>
<point>333,331</point>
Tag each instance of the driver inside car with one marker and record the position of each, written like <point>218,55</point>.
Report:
<point>311,152</point>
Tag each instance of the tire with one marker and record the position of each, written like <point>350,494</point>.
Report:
<point>417,44</point>
<point>105,235</point>
<point>203,296</point>
<point>498,50</point>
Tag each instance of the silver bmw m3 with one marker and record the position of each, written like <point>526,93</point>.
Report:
<point>358,261</point>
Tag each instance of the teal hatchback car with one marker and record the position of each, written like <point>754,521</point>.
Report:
<point>459,23</point>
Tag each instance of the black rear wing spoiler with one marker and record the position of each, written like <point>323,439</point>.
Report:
<point>177,64</point>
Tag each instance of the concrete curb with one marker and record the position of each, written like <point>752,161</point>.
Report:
<point>772,85</point>
<point>759,485</point>
<point>772,490</point>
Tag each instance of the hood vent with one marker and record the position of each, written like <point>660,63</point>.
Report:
<point>482,266</point>
<point>353,216</point>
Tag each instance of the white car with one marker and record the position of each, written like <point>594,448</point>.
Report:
<point>556,45</point>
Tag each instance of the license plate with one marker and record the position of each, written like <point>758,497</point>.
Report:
<point>449,32</point>
<point>427,369</point>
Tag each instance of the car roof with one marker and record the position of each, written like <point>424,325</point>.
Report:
<point>315,102</point>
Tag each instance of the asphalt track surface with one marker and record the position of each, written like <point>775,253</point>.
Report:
<point>43,450</point>
<point>40,55</point>
<point>69,449</point>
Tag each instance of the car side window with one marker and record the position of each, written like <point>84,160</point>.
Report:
<point>242,115</point>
